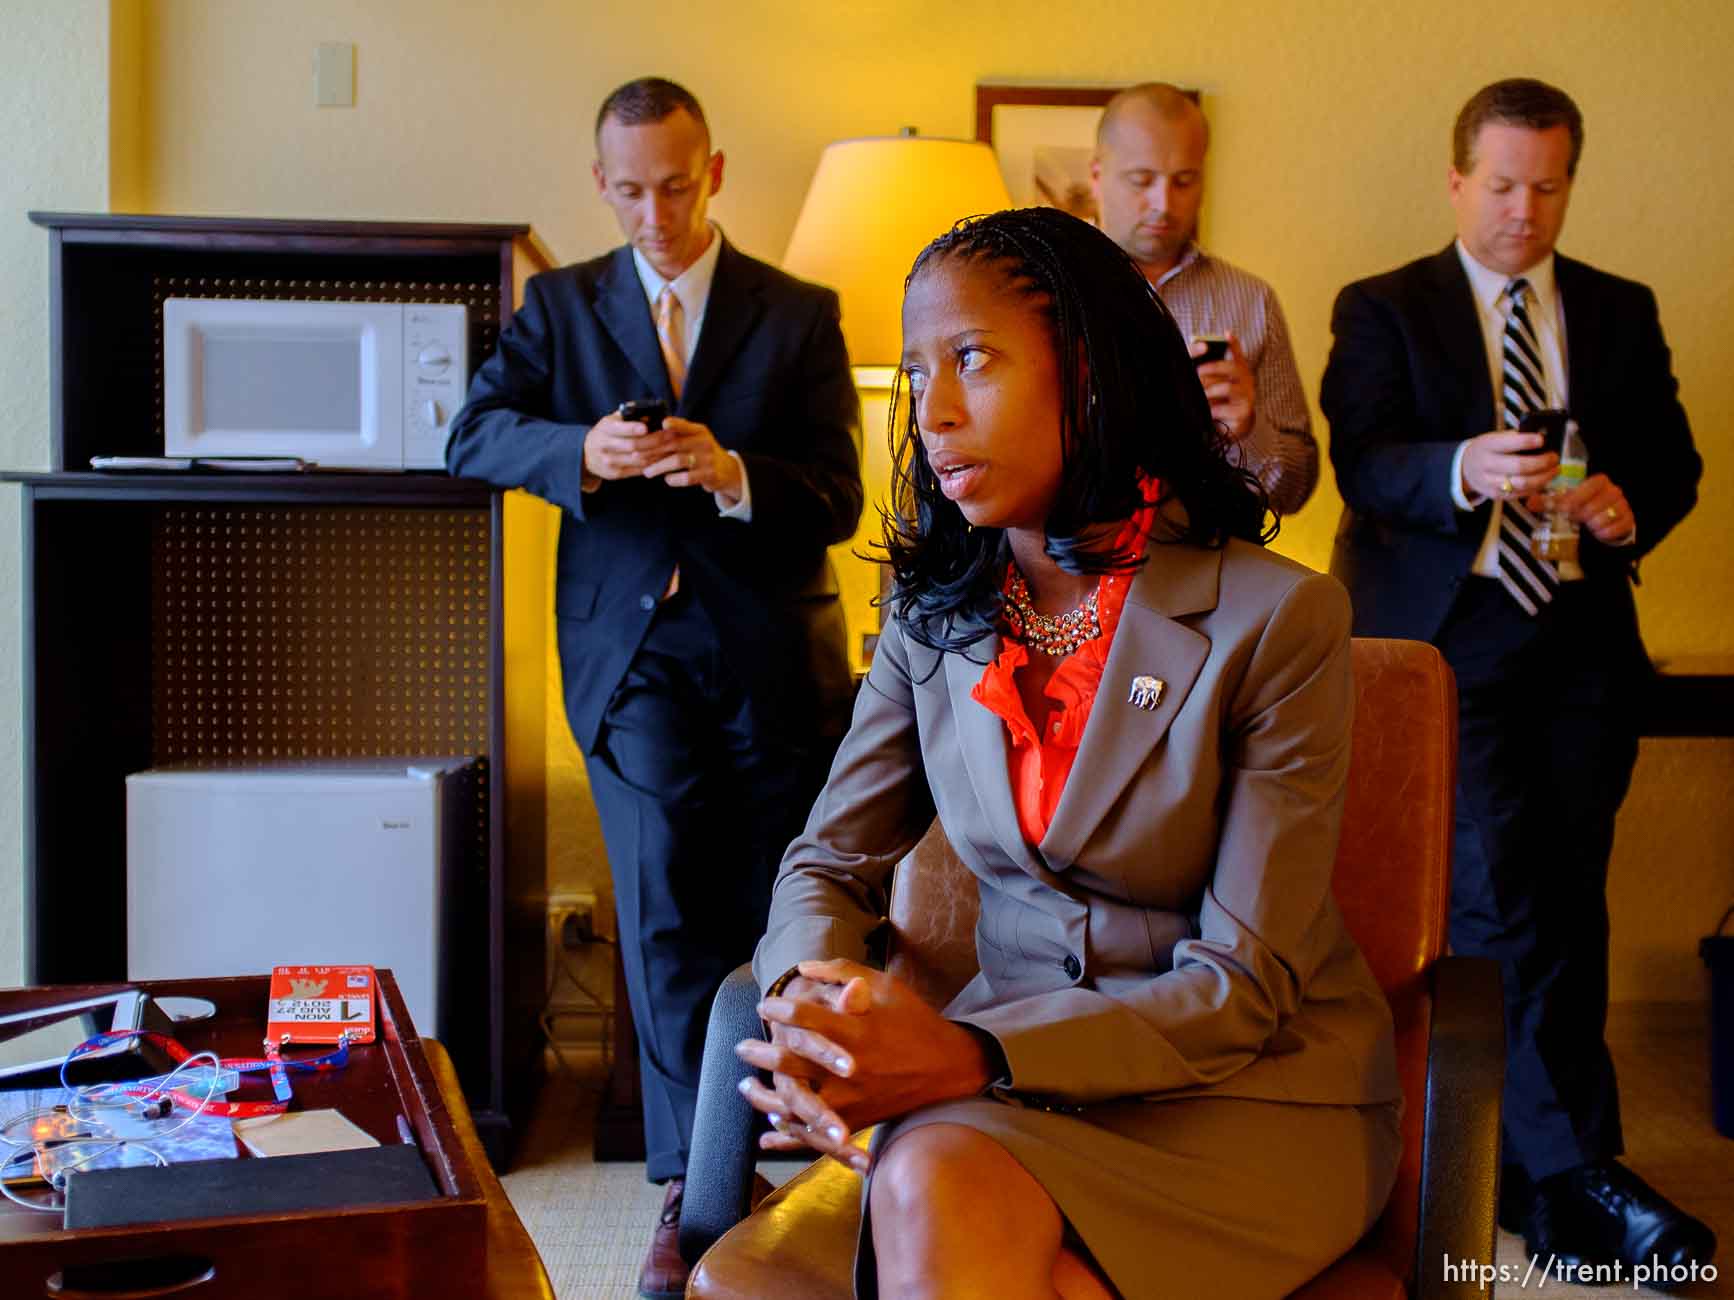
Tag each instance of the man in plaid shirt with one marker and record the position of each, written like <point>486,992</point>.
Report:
<point>1148,174</point>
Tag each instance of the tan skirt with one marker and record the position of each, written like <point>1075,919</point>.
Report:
<point>1194,1196</point>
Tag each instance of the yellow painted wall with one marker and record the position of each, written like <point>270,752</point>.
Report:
<point>1330,125</point>
<point>1330,128</point>
<point>128,106</point>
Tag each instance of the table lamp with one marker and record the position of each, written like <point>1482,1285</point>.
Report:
<point>873,205</point>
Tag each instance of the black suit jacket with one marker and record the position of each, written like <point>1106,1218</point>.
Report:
<point>770,378</point>
<point>1408,380</point>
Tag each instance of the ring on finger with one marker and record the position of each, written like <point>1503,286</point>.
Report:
<point>691,460</point>
<point>1612,512</point>
<point>1505,485</point>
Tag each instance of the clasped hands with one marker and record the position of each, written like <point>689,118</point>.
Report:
<point>682,453</point>
<point>851,1046</point>
<point>1509,466</point>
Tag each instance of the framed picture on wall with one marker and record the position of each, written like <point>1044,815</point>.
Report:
<point>1043,137</point>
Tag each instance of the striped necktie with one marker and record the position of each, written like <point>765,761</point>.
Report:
<point>1529,579</point>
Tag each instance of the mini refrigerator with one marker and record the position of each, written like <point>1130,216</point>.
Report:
<point>234,870</point>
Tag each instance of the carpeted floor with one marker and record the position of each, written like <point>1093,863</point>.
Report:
<point>591,1221</point>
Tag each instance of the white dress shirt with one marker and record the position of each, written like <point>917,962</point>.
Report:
<point>692,288</point>
<point>1493,307</point>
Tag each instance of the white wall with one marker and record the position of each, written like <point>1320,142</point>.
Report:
<point>53,154</point>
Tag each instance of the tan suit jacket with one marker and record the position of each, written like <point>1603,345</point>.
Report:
<point>1173,933</point>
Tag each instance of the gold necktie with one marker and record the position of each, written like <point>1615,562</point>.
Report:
<point>671,334</point>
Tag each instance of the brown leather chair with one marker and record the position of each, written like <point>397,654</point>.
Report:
<point>1392,880</point>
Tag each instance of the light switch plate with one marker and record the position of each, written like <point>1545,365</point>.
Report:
<point>334,75</point>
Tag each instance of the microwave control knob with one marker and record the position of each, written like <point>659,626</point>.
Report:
<point>430,411</point>
<point>434,359</point>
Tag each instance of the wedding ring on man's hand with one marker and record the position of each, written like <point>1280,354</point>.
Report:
<point>1505,486</point>
<point>691,460</point>
<point>1612,512</point>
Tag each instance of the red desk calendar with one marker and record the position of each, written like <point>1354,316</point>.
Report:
<point>319,1004</point>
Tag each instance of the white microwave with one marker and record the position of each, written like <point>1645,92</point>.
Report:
<point>368,385</point>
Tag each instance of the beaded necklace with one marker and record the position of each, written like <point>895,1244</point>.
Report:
<point>1052,634</point>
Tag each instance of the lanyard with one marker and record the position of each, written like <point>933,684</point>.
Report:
<point>272,1063</point>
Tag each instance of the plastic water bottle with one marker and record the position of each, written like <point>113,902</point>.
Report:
<point>1555,535</point>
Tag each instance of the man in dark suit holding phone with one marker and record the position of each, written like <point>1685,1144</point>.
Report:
<point>1434,369</point>
<point>701,635</point>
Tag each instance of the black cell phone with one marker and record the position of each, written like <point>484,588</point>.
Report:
<point>1215,349</point>
<point>1549,422</point>
<point>648,411</point>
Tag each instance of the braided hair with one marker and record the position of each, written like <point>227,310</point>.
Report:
<point>1135,404</point>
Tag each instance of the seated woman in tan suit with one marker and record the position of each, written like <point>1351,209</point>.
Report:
<point>1174,1073</point>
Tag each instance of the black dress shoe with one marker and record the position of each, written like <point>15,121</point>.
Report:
<point>1515,1194</point>
<point>1603,1214</point>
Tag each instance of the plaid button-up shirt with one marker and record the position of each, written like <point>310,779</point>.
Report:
<point>1209,296</point>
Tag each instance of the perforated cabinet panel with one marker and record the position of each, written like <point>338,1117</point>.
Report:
<point>296,632</point>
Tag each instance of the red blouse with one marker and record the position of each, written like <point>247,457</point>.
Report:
<point>1040,764</point>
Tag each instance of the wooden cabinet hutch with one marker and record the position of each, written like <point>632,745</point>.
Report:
<point>205,617</point>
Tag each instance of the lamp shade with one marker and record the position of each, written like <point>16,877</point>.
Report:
<point>873,205</point>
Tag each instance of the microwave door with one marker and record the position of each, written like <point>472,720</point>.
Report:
<point>267,378</point>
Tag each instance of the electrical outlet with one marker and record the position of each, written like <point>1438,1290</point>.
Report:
<point>571,920</point>
<point>578,974</point>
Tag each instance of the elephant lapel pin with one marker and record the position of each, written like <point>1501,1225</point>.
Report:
<point>1146,692</point>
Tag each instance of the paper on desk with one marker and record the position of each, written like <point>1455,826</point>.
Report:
<point>301,1132</point>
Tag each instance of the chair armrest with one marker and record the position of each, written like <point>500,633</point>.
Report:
<point>1460,1151</point>
<point>719,1164</point>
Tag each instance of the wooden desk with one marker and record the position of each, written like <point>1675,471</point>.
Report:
<point>1690,695</point>
<point>467,1242</point>
<point>515,1270</point>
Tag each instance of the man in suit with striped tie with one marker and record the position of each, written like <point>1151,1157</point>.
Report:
<point>1432,369</point>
